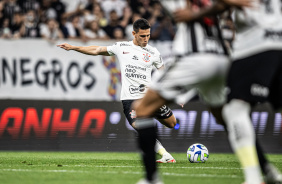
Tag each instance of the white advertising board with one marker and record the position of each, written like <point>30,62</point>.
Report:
<point>37,69</point>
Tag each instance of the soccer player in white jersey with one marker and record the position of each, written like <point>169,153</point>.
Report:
<point>137,60</point>
<point>255,77</point>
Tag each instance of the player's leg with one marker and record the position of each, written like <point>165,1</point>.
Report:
<point>165,116</point>
<point>147,136</point>
<point>236,114</point>
<point>131,117</point>
<point>149,109</point>
<point>272,174</point>
<point>242,138</point>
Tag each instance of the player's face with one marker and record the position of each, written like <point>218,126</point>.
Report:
<point>142,37</point>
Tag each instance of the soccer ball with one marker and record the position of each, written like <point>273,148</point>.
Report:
<point>197,153</point>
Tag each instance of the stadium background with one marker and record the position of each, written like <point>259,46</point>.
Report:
<point>65,101</point>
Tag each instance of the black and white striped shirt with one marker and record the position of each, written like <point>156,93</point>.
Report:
<point>203,36</point>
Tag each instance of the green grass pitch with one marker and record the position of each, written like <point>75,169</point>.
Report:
<point>115,168</point>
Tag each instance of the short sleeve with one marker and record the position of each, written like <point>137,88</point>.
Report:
<point>158,61</point>
<point>113,50</point>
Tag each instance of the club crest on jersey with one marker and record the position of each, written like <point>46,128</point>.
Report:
<point>146,57</point>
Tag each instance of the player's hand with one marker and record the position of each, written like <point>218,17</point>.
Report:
<point>65,46</point>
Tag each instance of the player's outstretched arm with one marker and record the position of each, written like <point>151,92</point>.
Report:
<point>89,50</point>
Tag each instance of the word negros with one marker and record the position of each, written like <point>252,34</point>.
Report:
<point>47,73</point>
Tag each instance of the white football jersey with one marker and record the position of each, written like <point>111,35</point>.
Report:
<point>258,28</point>
<point>136,64</point>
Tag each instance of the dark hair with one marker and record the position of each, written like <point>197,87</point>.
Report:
<point>141,24</point>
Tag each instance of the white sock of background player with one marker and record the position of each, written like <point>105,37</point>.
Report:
<point>242,138</point>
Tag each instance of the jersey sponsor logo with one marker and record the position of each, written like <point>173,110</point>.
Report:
<point>135,57</point>
<point>137,89</point>
<point>134,67</point>
<point>259,90</point>
<point>273,34</point>
<point>135,75</point>
<point>146,57</point>
<point>125,52</point>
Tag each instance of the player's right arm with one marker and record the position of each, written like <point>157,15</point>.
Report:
<point>89,50</point>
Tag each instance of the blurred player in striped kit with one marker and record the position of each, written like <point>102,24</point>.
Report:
<point>201,66</point>
<point>255,77</point>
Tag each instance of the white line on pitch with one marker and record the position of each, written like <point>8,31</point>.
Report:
<point>162,167</point>
<point>168,167</point>
<point>31,170</point>
<point>124,172</point>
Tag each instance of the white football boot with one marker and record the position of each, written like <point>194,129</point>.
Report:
<point>166,158</point>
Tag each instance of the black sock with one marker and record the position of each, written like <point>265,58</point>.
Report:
<point>262,159</point>
<point>147,140</point>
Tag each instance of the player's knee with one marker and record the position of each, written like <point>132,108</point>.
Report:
<point>235,108</point>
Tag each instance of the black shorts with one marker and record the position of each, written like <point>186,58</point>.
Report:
<point>257,79</point>
<point>163,113</point>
